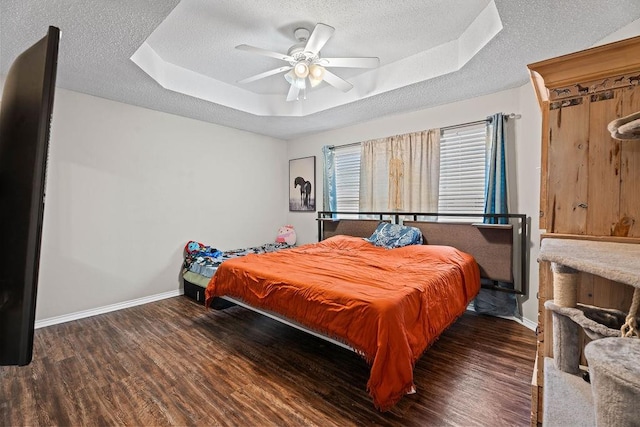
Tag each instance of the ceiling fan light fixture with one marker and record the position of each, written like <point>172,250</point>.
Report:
<point>301,70</point>
<point>290,77</point>
<point>304,61</point>
<point>294,80</point>
<point>300,83</point>
<point>316,72</point>
<point>314,82</point>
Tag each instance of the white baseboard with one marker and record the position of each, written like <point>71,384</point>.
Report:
<point>528,323</point>
<point>523,321</point>
<point>105,309</point>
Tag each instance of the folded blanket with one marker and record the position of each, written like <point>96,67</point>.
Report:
<point>626,128</point>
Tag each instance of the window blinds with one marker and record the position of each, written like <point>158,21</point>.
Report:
<point>462,169</point>
<point>347,164</point>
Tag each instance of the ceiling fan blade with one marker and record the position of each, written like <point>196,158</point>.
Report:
<point>293,93</point>
<point>350,62</point>
<point>265,52</point>
<point>265,74</point>
<point>337,82</point>
<point>321,34</point>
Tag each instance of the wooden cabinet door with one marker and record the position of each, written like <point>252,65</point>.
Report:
<point>568,161</point>
<point>603,193</point>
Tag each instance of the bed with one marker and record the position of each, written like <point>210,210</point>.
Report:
<point>389,305</point>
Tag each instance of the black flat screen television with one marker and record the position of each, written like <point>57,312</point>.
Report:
<point>25,118</point>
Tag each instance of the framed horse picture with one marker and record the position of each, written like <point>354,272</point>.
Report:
<point>302,184</point>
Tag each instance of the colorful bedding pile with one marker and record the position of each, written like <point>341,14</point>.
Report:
<point>204,260</point>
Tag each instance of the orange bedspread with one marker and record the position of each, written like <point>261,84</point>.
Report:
<point>389,305</point>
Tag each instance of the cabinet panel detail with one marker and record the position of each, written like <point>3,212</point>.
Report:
<point>568,158</point>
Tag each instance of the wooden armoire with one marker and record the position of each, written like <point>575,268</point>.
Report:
<point>590,182</point>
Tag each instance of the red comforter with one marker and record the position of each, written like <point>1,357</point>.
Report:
<point>389,305</point>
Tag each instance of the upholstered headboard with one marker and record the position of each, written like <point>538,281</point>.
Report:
<point>491,245</point>
<point>349,227</point>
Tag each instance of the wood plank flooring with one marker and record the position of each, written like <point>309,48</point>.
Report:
<point>174,363</point>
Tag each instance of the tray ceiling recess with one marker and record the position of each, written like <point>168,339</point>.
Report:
<point>219,73</point>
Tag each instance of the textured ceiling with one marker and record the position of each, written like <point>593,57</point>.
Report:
<point>99,38</point>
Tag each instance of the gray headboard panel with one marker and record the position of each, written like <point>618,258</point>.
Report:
<point>349,227</point>
<point>491,245</point>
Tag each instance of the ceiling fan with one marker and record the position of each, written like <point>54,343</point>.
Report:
<point>305,63</point>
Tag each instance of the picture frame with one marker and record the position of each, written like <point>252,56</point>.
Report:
<point>302,184</point>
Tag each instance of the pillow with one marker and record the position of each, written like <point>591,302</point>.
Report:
<point>395,236</point>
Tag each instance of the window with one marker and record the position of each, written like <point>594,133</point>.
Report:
<point>462,171</point>
<point>347,163</point>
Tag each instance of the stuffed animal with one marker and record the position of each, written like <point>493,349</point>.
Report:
<point>194,247</point>
<point>286,234</point>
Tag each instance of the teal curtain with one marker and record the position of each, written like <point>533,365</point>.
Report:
<point>329,185</point>
<point>496,173</point>
<point>489,301</point>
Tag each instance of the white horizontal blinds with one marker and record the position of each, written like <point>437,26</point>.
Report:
<point>462,169</point>
<point>347,164</point>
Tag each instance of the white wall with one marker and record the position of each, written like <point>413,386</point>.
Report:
<point>526,156</point>
<point>128,187</point>
<point>528,152</point>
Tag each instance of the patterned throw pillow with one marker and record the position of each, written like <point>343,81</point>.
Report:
<point>395,236</point>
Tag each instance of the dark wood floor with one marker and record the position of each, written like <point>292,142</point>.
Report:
<point>174,363</point>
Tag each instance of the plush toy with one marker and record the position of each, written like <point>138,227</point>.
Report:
<point>286,234</point>
<point>192,247</point>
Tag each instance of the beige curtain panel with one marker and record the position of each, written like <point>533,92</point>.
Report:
<point>401,173</point>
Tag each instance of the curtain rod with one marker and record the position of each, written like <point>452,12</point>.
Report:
<point>477,122</point>
<point>460,125</point>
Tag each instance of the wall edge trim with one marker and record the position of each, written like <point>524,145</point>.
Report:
<point>105,309</point>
